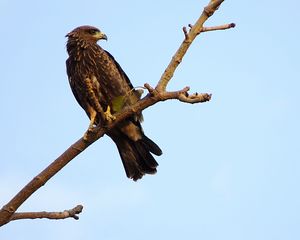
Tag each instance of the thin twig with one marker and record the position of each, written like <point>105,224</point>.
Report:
<point>186,34</point>
<point>195,98</point>
<point>221,27</point>
<point>72,213</point>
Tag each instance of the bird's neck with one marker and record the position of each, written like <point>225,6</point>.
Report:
<point>77,47</point>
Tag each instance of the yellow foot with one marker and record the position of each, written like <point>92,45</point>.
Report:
<point>108,116</point>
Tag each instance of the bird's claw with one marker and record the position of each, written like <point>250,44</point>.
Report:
<point>108,116</point>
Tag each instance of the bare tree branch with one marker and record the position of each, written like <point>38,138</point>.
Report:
<point>7,212</point>
<point>208,29</point>
<point>221,27</point>
<point>189,38</point>
<point>157,94</point>
<point>72,213</point>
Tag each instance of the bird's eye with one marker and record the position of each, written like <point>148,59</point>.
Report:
<point>92,31</point>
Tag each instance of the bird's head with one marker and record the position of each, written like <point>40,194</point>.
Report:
<point>87,33</point>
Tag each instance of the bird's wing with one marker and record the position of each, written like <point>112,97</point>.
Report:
<point>76,87</point>
<point>132,96</point>
<point>122,73</point>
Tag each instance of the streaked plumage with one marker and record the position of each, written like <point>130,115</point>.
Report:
<point>98,82</point>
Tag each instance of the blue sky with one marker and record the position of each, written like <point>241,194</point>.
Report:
<point>230,168</point>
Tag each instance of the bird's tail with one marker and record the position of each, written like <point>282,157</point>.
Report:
<point>136,155</point>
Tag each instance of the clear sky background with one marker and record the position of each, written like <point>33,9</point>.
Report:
<point>230,168</point>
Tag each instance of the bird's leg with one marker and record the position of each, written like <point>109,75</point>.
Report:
<point>108,116</point>
<point>92,120</point>
<point>90,129</point>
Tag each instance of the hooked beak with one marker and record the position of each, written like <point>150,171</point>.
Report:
<point>101,36</point>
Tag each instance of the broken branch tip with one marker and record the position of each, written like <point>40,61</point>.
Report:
<point>232,25</point>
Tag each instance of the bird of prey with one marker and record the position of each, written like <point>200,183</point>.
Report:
<point>102,88</point>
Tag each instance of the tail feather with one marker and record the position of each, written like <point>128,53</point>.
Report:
<point>151,146</point>
<point>136,156</point>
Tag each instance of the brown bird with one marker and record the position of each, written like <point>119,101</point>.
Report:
<point>99,83</point>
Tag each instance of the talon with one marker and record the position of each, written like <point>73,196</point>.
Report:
<point>108,116</point>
